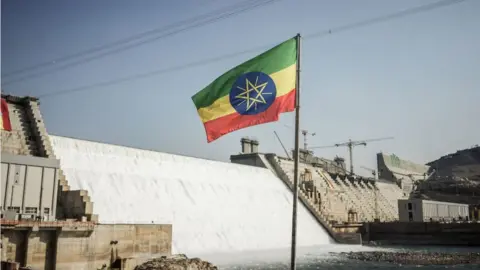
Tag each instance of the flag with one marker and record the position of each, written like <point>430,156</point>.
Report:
<point>5,120</point>
<point>253,93</point>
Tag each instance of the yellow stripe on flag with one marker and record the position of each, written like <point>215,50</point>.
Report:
<point>284,82</point>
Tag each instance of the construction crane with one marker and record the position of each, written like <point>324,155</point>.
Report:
<point>350,144</point>
<point>281,143</point>
<point>305,133</point>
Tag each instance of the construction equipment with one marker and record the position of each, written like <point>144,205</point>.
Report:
<point>281,143</point>
<point>305,133</point>
<point>350,144</point>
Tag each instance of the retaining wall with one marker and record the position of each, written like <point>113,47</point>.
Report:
<point>76,248</point>
<point>422,233</point>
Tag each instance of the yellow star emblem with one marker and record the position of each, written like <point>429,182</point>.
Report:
<point>252,99</point>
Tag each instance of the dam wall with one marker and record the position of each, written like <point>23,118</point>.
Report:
<point>334,198</point>
<point>214,207</point>
<point>46,225</point>
<point>81,245</point>
<point>402,172</point>
<point>422,233</point>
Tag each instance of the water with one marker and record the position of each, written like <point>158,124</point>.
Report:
<point>213,206</point>
<point>320,257</point>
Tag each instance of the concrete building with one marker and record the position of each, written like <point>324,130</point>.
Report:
<point>29,187</point>
<point>402,172</point>
<point>29,175</point>
<point>45,224</point>
<point>418,210</point>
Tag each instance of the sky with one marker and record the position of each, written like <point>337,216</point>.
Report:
<point>414,78</point>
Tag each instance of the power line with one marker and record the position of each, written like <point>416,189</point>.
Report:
<point>124,40</point>
<point>388,17</point>
<point>194,23</point>
<point>335,30</point>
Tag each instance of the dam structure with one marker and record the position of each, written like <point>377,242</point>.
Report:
<point>75,204</point>
<point>341,202</point>
<point>47,225</point>
<point>215,207</point>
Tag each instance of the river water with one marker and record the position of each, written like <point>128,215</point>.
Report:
<point>326,257</point>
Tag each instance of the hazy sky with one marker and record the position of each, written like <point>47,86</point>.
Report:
<point>416,78</point>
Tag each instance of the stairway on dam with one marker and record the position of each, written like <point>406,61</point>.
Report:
<point>58,230</point>
<point>336,200</point>
<point>29,137</point>
<point>338,194</point>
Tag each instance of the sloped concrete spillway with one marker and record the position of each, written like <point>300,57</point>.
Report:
<point>213,206</point>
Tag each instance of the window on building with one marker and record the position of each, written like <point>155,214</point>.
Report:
<point>409,206</point>
<point>16,209</point>
<point>46,211</point>
<point>30,210</point>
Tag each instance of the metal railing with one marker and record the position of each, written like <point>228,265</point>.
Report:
<point>32,223</point>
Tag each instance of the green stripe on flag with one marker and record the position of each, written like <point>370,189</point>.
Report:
<point>271,61</point>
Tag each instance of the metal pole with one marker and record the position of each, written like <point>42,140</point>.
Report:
<point>305,140</point>
<point>296,160</point>
<point>350,149</point>
<point>376,204</point>
<point>283,146</point>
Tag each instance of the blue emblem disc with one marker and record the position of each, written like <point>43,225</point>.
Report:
<point>253,93</point>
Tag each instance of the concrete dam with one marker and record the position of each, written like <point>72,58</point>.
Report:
<point>214,207</point>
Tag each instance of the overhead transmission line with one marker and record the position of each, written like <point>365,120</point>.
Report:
<point>166,31</point>
<point>387,17</point>
<point>330,31</point>
<point>129,39</point>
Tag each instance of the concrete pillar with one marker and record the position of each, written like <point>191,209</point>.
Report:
<point>254,144</point>
<point>246,145</point>
<point>32,244</point>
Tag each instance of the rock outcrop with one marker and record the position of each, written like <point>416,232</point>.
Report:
<point>176,262</point>
<point>416,258</point>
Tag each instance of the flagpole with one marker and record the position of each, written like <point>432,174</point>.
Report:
<point>296,160</point>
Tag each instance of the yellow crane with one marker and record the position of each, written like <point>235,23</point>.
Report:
<point>350,144</point>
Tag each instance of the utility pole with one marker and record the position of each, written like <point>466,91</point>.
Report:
<point>281,143</point>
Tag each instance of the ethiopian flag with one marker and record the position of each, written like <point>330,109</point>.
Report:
<point>253,93</point>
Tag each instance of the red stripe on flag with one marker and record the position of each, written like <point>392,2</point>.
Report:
<point>235,121</point>
<point>5,116</point>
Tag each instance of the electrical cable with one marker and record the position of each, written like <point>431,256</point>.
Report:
<point>125,40</point>
<point>124,48</point>
<point>410,11</point>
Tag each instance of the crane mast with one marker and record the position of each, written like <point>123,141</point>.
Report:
<point>305,133</point>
